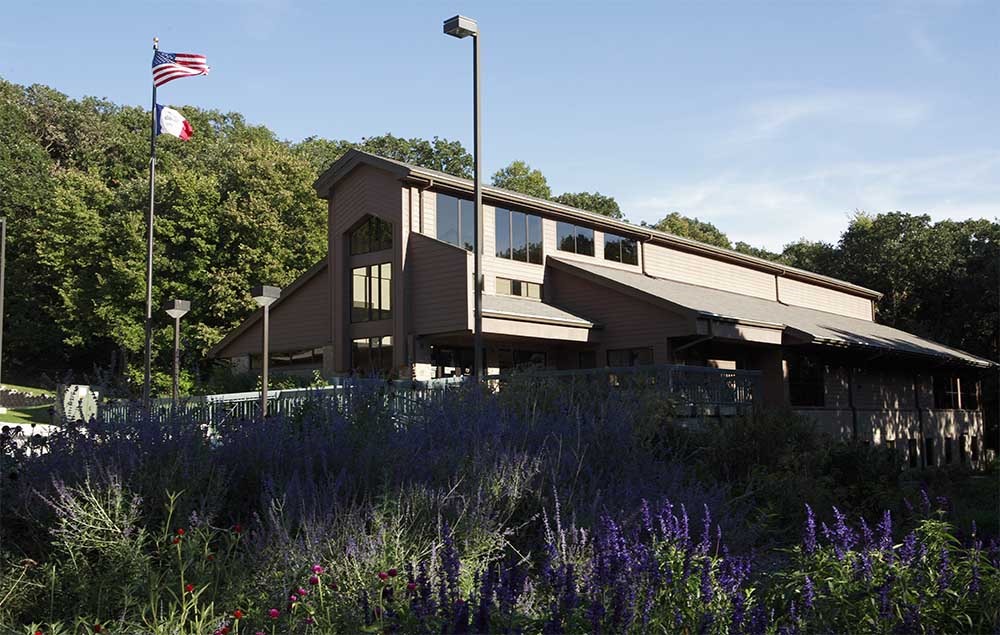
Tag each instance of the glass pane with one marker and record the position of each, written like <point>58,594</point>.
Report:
<point>612,247</point>
<point>359,303</point>
<point>360,356</point>
<point>535,240</point>
<point>618,358</point>
<point>385,350</point>
<point>518,237</point>
<point>585,241</point>
<point>382,234</point>
<point>503,286</point>
<point>566,237</point>
<point>359,240</point>
<point>630,251</point>
<point>468,224</point>
<point>502,220</point>
<point>515,287</point>
<point>533,290</point>
<point>373,292</point>
<point>447,218</point>
<point>385,288</point>
<point>642,356</point>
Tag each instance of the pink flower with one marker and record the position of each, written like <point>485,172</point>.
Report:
<point>293,598</point>
<point>411,586</point>
<point>393,573</point>
<point>310,620</point>
<point>317,569</point>
<point>382,575</point>
<point>313,580</point>
<point>302,592</point>
<point>274,613</point>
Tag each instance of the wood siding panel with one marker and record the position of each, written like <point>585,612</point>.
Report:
<point>663,262</point>
<point>811,296</point>
<point>364,191</point>
<point>300,321</point>
<point>439,279</point>
<point>627,322</point>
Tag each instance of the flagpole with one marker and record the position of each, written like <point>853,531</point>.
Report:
<point>149,243</point>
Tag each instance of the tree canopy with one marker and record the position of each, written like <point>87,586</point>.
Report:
<point>235,207</point>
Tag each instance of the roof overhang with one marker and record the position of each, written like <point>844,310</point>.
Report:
<point>440,180</point>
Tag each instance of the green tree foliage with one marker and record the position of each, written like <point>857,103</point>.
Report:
<point>520,177</point>
<point>235,206</point>
<point>694,229</point>
<point>592,202</point>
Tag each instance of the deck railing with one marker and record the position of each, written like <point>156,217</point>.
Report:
<point>693,390</point>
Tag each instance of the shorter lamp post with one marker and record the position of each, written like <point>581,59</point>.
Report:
<point>177,309</point>
<point>264,295</point>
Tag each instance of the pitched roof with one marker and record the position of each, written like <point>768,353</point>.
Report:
<point>815,326</point>
<point>254,317</point>
<point>434,178</point>
<point>504,306</point>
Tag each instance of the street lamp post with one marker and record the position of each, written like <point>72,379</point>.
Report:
<point>3,278</point>
<point>461,27</point>
<point>264,295</point>
<point>177,309</point>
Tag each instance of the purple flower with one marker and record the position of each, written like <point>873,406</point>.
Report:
<point>845,538</point>
<point>909,549</point>
<point>944,570</point>
<point>706,582</point>
<point>808,593</point>
<point>974,582</point>
<point>809,536</point>
<point>885,533</point>
<point>317,569</point>
<point>884,607</point>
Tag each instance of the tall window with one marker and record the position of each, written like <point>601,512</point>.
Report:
<point>946,392</point>
<point>621,249</point>
<point>806,377</point>
<point>619,358</point>
<point>374,234</point>
<point>371,292</point>
<point>575,239</point>
<point>518,236</point>
<point>969,391</point>
<point>456,221</point>
<point>506,286</point>
<point>372,355</point>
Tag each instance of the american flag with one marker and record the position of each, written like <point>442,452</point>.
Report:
<point>170,66</point>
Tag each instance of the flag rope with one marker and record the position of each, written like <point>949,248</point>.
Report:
<point>149,245</point>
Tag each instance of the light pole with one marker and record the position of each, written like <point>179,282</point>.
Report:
<point>264,295</point>
<point>3,277</point>
<point>461,27</point>
<point>177,309</point>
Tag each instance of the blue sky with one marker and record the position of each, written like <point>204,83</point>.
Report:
<point>774,121</point>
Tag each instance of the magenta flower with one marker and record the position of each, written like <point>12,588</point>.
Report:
<point>317,569</point>
<point>274,613</point>
<point>293,598</point>
<point>313,580</point>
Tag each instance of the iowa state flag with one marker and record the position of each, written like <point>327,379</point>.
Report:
<point>171,122</point>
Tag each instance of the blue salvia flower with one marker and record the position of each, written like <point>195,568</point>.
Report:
<point>944,570</point>
<point>758,621</point>
<point>885,533</point>
<point>884,606</point>
<point>706,532</point>
<point>845,538</point>
<point>647,518</point>
<point>866,534</point>
<point>909,549</point>
<point>678,618</point>
<point>706,582</point>
<point>866,565</point>
<point>706,623</point>
<point>739,613</point>
<point>808,593</point>
<point>809,536</point>
<point>925,502</point>
<point>974,583</point>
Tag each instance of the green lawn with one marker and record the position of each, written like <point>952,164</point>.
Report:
<point>32,414</point>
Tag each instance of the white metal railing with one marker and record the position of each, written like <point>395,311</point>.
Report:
<point>696,390</point>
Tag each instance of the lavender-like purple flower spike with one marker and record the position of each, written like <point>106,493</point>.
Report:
<point>706,582</point>
<point>885,533</point>
<point>808,593</point>
<point>944,570</point>
<point>809,536</point>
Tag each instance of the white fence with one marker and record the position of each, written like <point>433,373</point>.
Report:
<point>693,390</point>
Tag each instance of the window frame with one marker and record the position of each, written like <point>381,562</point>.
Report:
<point>805,391</point>
<point>577,232</point>
<point>617,245</point>
<point>373,285</point>
<point>376,232</point>
<point>634,355</point>
<point>464,215</point>
<point>517,224</point>
<point>518,288</point>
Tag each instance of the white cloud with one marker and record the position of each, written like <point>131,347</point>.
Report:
<point>767,119</point>
<point>817,204</point>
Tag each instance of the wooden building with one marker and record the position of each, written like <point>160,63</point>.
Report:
<point>565,288</point>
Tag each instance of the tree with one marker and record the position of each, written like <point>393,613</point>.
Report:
<point>592,202</point>
<point>438,154</point>
<point>759,252</point>
<point>694,229</point>
<point>519,177</point>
